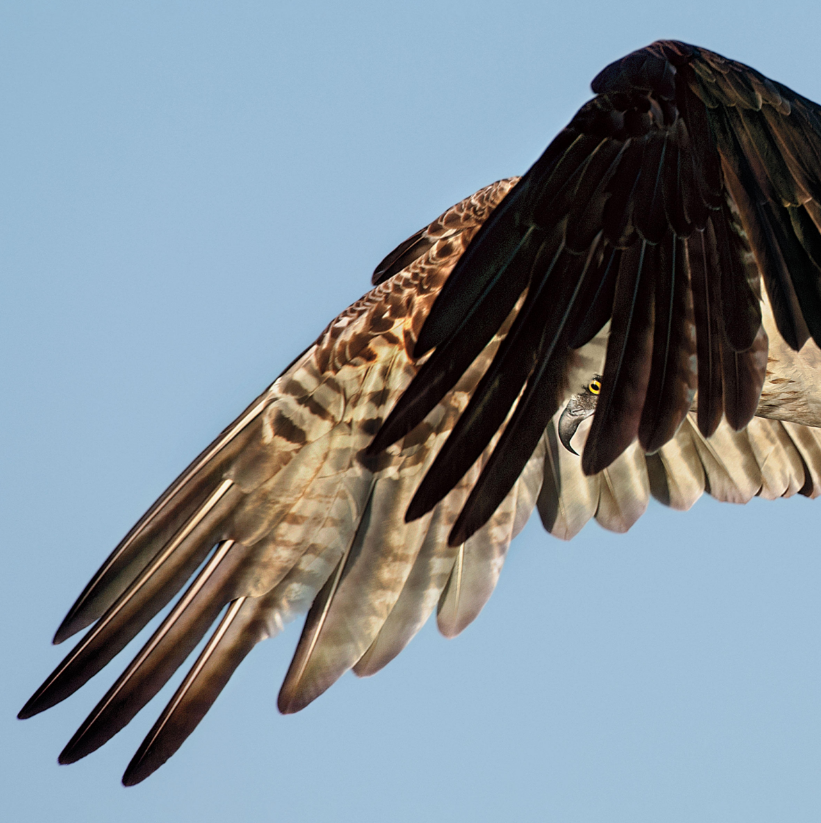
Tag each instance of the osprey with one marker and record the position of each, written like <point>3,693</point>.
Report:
<point>648,295</point>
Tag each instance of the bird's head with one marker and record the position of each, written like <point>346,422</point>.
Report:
<point>578,408</point>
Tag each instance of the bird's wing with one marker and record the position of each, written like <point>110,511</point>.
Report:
<point>290,510</point>
<point>656,210</point>
<point>302,519</point>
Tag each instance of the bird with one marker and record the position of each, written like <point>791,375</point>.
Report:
<point>637,315</point>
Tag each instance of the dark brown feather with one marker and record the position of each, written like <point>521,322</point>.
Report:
<point>672,383</point>
<point>627,365</point>
<point>452,357</point>
<point>649,216</point>
<point>544,310</point>
<point>704,274</point>
<point>163,654</point>
<point>673,184</point>
<point>243,626</point>
<point>740,290</point>
<point>706,165</point>
<point>591,319</point>
<point>151,591</point>
<point>616,217</point>
<point>744,375</point>
<point>540,402</point>
<point>479,266</point>
<point>158,525</point>
<point>757,216</point>
<point>586,207</point>
<point>403,255</point>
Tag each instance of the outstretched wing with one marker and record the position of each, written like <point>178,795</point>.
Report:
<point>631,217</point>
<point>301,518</point>
<point>656,210</point>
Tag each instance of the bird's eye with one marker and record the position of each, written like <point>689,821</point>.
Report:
<point>594,387</point>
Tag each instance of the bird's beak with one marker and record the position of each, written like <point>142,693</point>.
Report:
<point>574,414</point>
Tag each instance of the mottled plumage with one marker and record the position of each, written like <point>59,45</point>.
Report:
<point>386,471</point>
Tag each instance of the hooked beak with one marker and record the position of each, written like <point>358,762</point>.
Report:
<point>574,414</point>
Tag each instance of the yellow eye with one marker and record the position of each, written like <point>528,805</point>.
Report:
<point>594,387</point>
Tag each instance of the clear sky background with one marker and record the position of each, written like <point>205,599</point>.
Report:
<point>190,192</point>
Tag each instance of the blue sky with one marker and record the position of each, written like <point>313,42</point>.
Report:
<point>191,191</point>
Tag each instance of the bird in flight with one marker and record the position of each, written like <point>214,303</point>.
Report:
<point>640,313</point>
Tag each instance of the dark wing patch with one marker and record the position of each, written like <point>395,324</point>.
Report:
<point>684,180</point>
